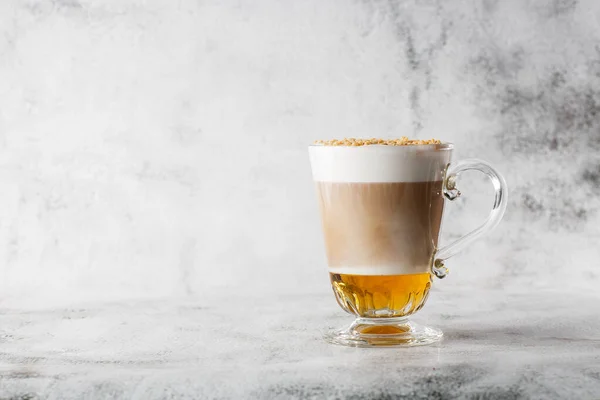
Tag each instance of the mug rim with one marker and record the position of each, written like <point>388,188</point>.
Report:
<point>438,147</point>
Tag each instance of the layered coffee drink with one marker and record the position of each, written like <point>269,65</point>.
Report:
<point>381,204</point>
<point>381,212</point>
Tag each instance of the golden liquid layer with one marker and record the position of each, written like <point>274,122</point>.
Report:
<point>381,296</point>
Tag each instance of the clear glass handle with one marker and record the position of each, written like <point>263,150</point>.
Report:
<point>451,193</point>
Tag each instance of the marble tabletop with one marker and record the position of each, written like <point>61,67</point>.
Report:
<point>497,344</point>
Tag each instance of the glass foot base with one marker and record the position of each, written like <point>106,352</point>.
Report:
<point>384,332</point>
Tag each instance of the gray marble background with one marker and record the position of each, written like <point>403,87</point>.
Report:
<point>157,149</point>
<point>154,148</point>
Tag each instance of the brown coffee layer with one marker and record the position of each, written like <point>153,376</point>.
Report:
<point>386,225</point>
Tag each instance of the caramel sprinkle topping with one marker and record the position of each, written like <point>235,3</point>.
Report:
<point>403,141</point>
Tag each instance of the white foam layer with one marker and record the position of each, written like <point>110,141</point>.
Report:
<point>422,163</point>
<point>380,270</point>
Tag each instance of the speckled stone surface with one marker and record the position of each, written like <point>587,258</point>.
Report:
<point>497,345</point>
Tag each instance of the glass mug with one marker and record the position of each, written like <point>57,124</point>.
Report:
<point>381,210</point>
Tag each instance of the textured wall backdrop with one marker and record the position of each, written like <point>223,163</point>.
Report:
<point>156,148</point>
